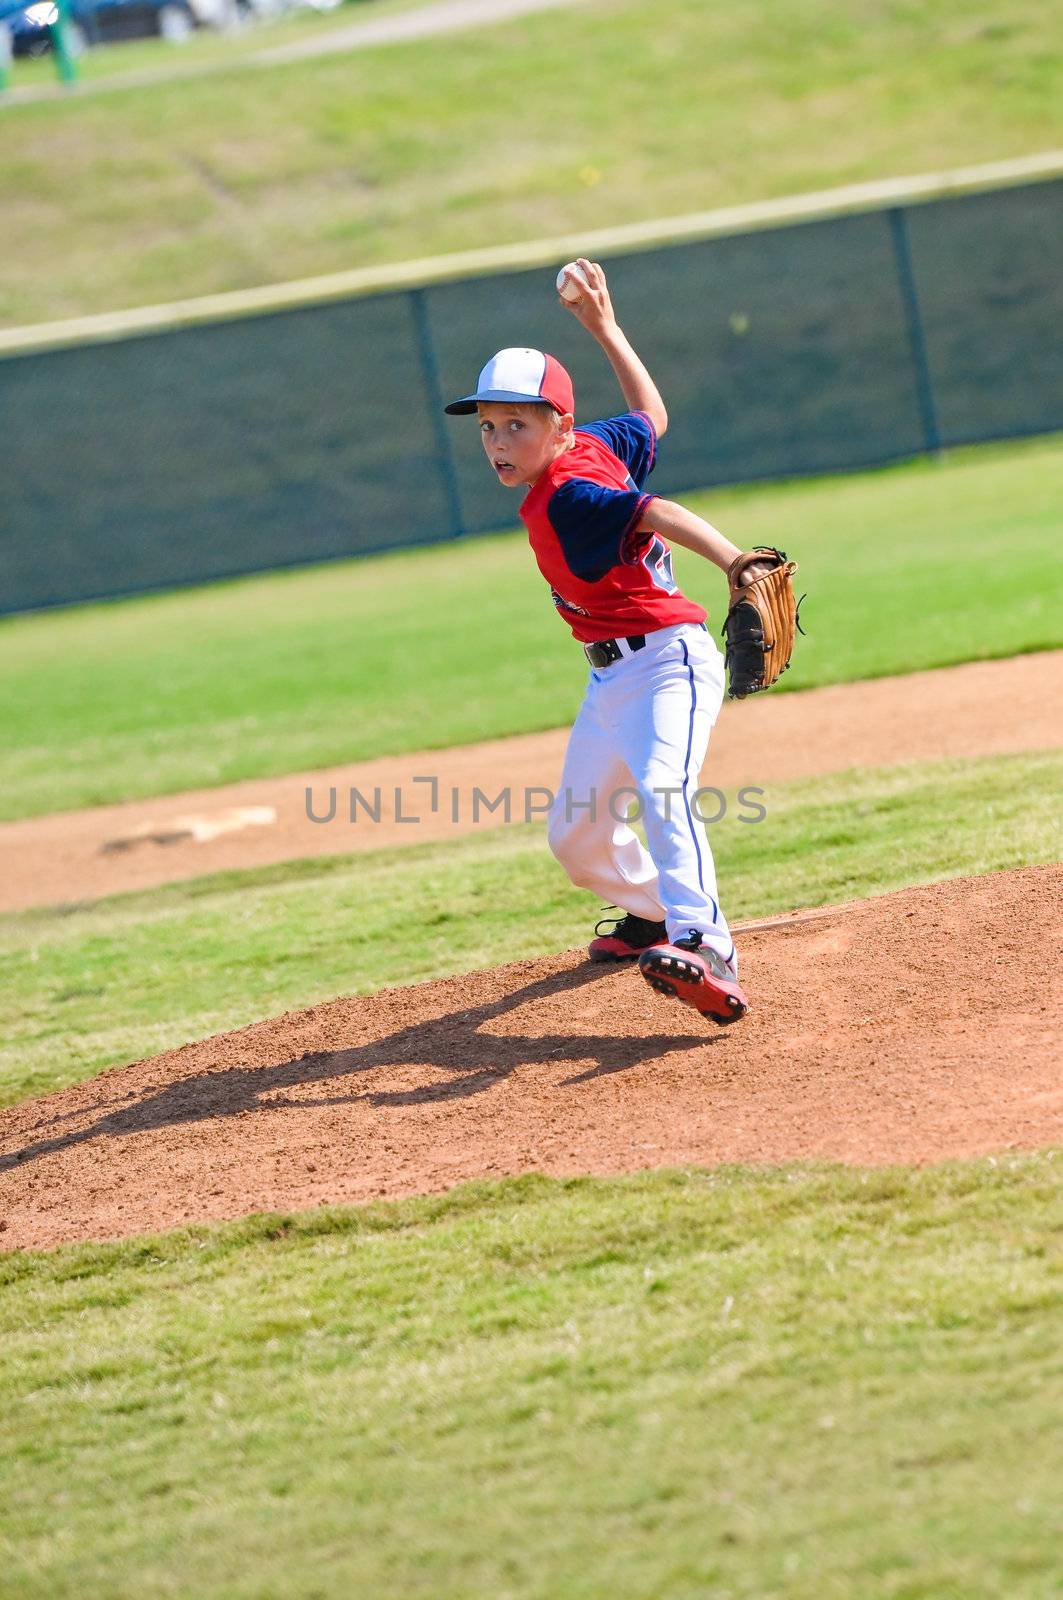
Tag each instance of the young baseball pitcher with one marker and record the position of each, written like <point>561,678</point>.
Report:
<point>656,685</point>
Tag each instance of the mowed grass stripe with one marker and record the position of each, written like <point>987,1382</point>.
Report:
<point>917,566</point>
<point>801,1382</point>
<point>83,988</point>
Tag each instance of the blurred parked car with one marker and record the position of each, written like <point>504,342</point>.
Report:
<point>105,21</point>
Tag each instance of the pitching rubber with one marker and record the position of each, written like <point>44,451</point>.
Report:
<point>686,976</point>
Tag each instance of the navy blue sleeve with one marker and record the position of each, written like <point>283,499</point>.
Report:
<point>592,523</point>
<point>632,437</point>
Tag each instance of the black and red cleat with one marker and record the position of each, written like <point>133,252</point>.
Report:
<point>628,939</point>
<point>699,977</point>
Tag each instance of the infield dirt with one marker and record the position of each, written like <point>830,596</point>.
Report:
<point>982,708</point>
<point>914,1027</point>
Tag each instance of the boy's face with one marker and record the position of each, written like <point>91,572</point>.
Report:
<point>521,441</point>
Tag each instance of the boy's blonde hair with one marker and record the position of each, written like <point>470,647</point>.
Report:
<point>531,408</point>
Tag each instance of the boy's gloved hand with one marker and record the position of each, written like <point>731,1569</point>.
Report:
<point>761,620</point>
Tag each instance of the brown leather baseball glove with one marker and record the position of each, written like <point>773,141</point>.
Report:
<point>761,622</point>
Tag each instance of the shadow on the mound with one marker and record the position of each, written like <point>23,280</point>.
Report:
<point>452,1042</point>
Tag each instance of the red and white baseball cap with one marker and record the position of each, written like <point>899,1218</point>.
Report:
<point>520,376</point>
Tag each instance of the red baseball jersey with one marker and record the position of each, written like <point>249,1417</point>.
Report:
<point>607,580</point>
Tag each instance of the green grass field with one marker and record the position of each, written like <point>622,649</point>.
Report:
<point>914,566</point>
<point>229,180</point>
<point>800,1383</point>
<point>791,1384</point>
<point>88,987</point>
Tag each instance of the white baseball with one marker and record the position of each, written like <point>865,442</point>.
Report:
<point>568,281</point>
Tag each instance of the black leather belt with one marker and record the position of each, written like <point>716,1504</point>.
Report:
<point>605,651</point>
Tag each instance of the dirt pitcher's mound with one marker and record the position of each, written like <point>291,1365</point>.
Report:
<point>916,1026</point>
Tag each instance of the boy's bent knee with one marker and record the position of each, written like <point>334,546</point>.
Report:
<point>569,835</point>
<point>559,836</point>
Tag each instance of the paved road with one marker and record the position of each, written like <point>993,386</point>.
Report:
<point>446,16</point>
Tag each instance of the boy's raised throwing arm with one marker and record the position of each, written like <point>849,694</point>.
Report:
<point>762,614</point>
<point>594,309</point>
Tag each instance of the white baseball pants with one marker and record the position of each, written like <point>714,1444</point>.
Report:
<point>641,734</point>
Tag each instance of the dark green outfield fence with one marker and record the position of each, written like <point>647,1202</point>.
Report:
<point>304,435</point>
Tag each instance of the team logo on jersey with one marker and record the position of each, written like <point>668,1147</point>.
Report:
<point>657,559</point>
<point>567,605</point>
